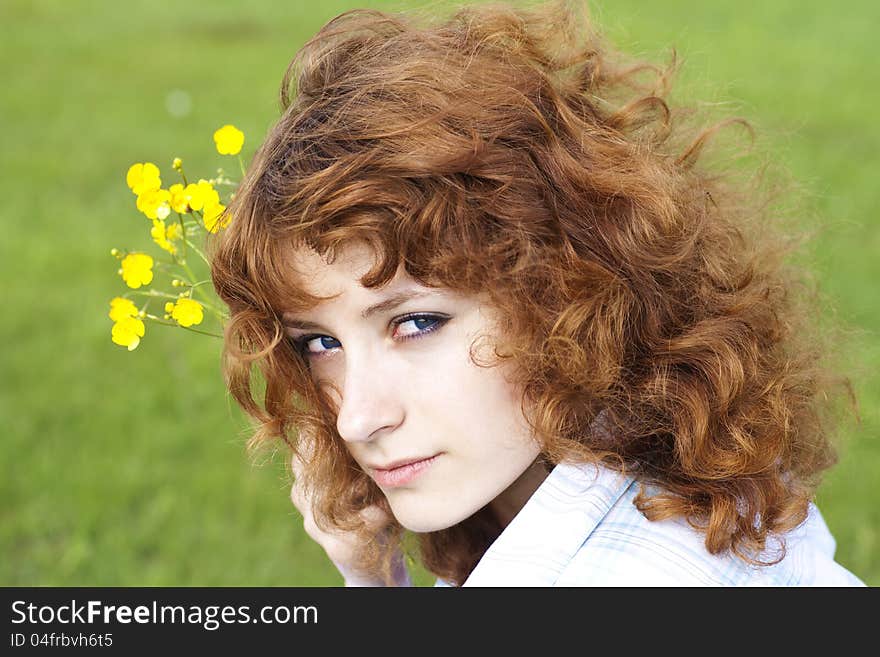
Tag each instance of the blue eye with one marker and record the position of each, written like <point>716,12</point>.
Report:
<point>420,324</point>
<point>315,344</point>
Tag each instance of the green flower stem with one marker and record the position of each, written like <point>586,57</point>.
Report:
<point>165,295</point>
<point>168,266</point>
<point>197,251</point>
<point>210,306</point>
<point>205,282</point>
<point>213,335</point>
<point>241,164</point>
<point>182,225</point>
<point>164,322</point>
<point>153,293</point>
<point>205,299</point>
<point>214,309</point>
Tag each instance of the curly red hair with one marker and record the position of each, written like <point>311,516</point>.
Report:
<point>653,321</point>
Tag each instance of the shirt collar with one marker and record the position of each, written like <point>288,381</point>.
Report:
<point>550,528</point>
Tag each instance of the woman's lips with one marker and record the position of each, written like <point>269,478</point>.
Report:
<point>403,474</point>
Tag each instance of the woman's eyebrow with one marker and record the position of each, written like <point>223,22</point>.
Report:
<point>392,302</point>
<point>385,305</point>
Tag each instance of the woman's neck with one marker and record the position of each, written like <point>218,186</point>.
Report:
<point>515,496</point>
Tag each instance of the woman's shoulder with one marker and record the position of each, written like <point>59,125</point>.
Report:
<point>627,549</point>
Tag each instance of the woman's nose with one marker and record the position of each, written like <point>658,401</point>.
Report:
<point>370,399</point>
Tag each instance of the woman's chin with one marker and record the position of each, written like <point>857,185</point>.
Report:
<point>420,521</point>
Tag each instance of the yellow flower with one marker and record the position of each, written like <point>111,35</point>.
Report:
<point>173,231</point>
<point>179,202</point>
<point>137,270</point>
<point>120,308</point>
<point>164,235</point>
<point>201,194</point>
<point>228,140</point>
<point>142,177</point>
<point>155,203</point>
<point>185,312</point>
<point>127,332</point>
<point>177,164</point>
<point>214,217</point>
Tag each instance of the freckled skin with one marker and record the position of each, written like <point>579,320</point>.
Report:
<point>416,398</point>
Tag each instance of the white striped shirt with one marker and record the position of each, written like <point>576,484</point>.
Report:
<point>581,528</point>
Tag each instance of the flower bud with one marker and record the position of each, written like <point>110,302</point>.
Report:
<point>177,164</point>
<point>114,253</point>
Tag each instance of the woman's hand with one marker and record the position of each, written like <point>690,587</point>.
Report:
<point>343,547</point>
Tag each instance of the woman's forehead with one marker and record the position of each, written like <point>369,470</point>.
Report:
<point>327,279</point>
<point>325,275</point>
<point>318,280</point>
<point>310,267</point>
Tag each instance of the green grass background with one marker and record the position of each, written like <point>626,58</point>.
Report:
<point>129,468</point>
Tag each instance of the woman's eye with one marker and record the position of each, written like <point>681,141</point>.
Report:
<point>316,344</point>
<point>417,325</point>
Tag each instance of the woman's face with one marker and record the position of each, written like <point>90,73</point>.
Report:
<point>396,362</point>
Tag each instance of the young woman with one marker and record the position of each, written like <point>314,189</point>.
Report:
<point>500,305</point>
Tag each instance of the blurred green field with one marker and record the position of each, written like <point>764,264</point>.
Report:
<point>129,468</point>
